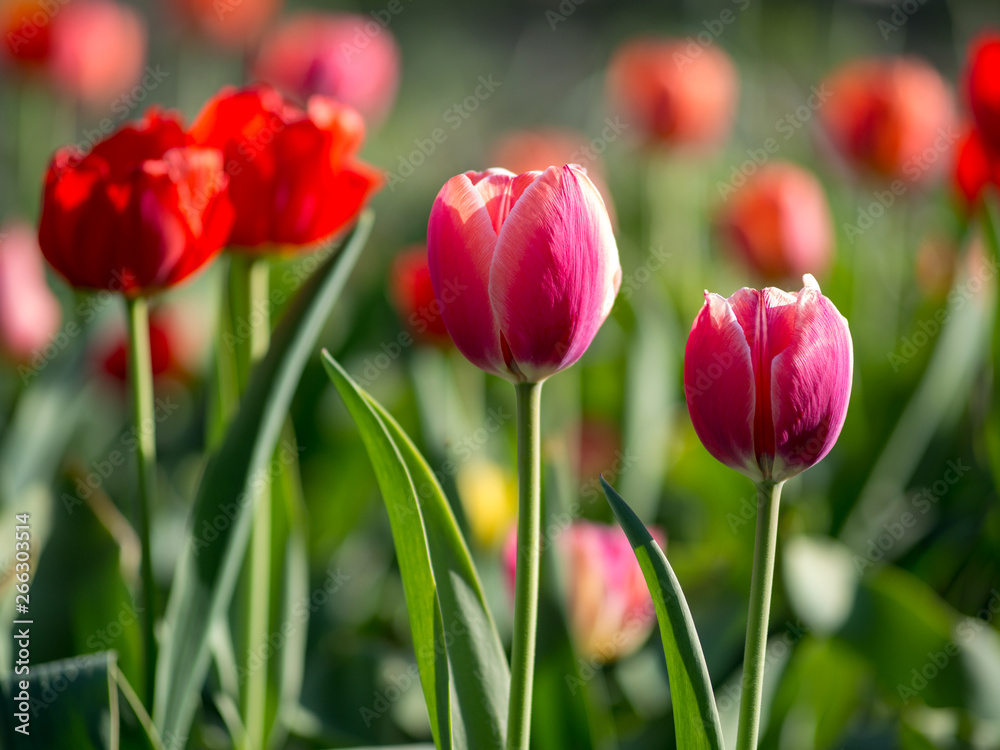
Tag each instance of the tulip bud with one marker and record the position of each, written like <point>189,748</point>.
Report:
<point>610,611</point>
<point>779,222</point>
<point>767,378</point>
<point>525,268</point>
<point>29,312</point>
<point>983,85</point>
<point>889,118</point>
<point>413,296</point>
<point>676,95</point>
<point>976,167</point>
<point>335,55</point>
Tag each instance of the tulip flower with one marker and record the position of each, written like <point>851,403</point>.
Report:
<point>334,55</point>
<point>164,357</point>
<point>977,166</point>
<point>779,222</point>
<point>141,212</point>
<point>294,178</point>
<point>676,95</point>
<point>982,85</point>
<point>767,378</point>
<point>609,608</point>
<point>488,495</point>
<point>889,118</point>
<point>26,32</point>
<point>29,312</point>
<point>536,262</point>
<point>233,24</point>
<point>525,268</point>
<point>413,295</point>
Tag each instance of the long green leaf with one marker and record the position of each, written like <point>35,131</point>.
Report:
<point>221,518</point>
<point>696,717</point>
<point>461,659</point>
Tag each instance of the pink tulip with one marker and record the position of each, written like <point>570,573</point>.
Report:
<point>341,55</point>
<point>609,608</point>
<point>525,268</point>
<point>29,312</point>
<point>767,377</point>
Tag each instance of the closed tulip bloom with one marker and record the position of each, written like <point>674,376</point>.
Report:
<point>675,95</point>
<point>767,378</point>
<point>29,312</point>
<point>982,85</point>
<point>889,118</point>
<point>98,48</point>
<point>976,167</point>
<point>26,33</point>
<point>779,222</point>
<point>413,295</point>
<point>335,55</point>
<point>141,212</point>
<point>525,267</point>
<point>294,178</point>
<point>608,605</point>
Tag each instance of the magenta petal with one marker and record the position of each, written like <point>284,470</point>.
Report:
<point>556,272</point>
<point>719,383</point>
<point>810,384</point>
<point>460,245</point>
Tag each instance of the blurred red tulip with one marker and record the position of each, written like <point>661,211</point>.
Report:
<point>983,85</point>
<point>350,58</point>
<point>767,378</point>
<point>293,176</point>
<point>413,295</point>
<point>26,27</point>
<point>142,211</point>
<point>610,611</point>
<point>675,95</point>
<point>114,359</point>
<point>230,23</point>
<point>779,222</point>
<point>890,118</point>
<point>976,166</point>
<point>29,312</point>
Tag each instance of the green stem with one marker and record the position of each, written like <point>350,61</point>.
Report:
<point>252,331</point>
<point>522,660</point>
<point>140,369</point>
<point>765,544</point>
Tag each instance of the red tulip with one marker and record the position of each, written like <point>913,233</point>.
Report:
<point>976,167</point>
<point>294,179</point>
<point>142,211</point>
<point>610,611</point>
<point>98,50</point>
<point>677,96</point>
<point>26,29</point>
<point>114,359</point>
<point>891,118</point>
<point>29,312</point>
<point>413,295</point>
<point>525,268</point>
<point>767,377</point>
<point>779,222</point>
<point>983,85</point>
<point>230,23</point>
<point>350,58</point>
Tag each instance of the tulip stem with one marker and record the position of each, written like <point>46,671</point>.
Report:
<point>522,658</point>
<point>765,544</point>
<point>140,371</point>
<point>252,329</point>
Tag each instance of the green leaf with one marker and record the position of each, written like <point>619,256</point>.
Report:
<point>696,717</point>
<point>83,703</point>
<point>220,526</point>
<point>458,651</point>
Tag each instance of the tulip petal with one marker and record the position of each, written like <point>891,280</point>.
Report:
<point>460,244</point>
<point>810,384</point>
<point>556,272</point>
<point>719,383</point>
